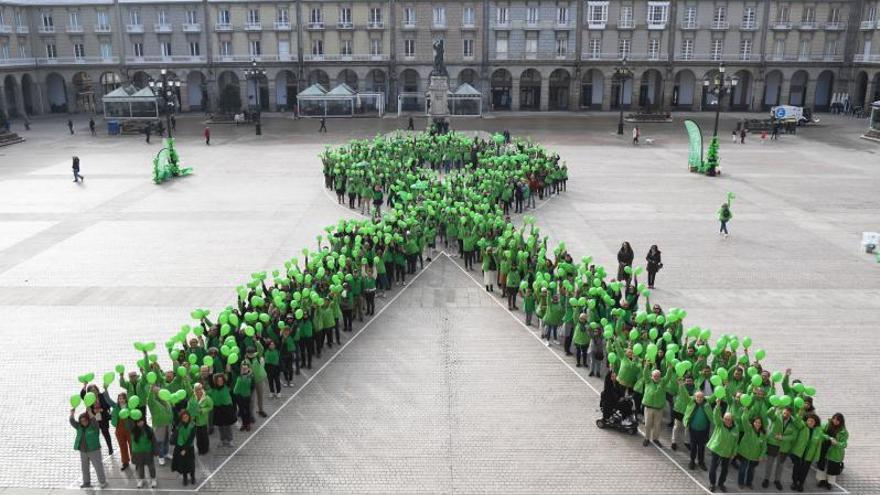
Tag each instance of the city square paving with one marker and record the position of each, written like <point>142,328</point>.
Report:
<point>444,391</point>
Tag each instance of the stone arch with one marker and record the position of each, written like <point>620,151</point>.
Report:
<point>109,81</point>
<point>376,82</point>
<point>501,84</point>
<point>258,92</point>
<point>140,79</point>
<point>592,89</point>
<point>709,100</point>
<point>56,92</point>
<point>196,91</point>
<point>876,85</point>
<point>741,97</point>
<point>410,81</point>
<point>84,87</point>
<point>349,77</point>
<point>797,93</point>
<point>683,90</point>
<point>530,90</point>
<point>10,87</point>
<point>318,76</point>
<point>860,91</point>
<point>228,78</point>
<point>286,88</point>
<point>560,89</point>
<point>469,76</point>
<point>27,93</point>
<point>651,89</point>
<point>772,89</point>
<point>824,89</point>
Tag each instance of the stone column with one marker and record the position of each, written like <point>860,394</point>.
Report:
<point>184,96</point>
<point>3,101</point>
<point>810,94</point>
<point>607,95</point>
<point>574,94</point>
<point>757,95</point>
<point>243,93</point>
<point>784,91</point>
<point>273,97</point>
<point>544,104</point>
<point>668,88</point>
<point>514,95</point>
<point>19,99</point>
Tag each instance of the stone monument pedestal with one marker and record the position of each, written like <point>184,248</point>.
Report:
<point>438,92</point>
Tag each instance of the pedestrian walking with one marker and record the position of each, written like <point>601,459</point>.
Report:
<point>70,126</point>
<point>774,132</point>
<point>323,127</point>
<point>173,123</point>
<point>733,136</point>
<point>724,216</point>
<point>76,176</point>
<point>207,135</point>
<point>636,135</point>
<point>411,126</point>
<point>88,444</point>
<point>763,136</point>
<point>92,127</point>
<point>655,263</point>
<point>624,259</point>
<point>742,136</point>
<point>147,131</point>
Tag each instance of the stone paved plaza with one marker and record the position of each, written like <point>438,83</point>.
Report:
<point>443,391</point>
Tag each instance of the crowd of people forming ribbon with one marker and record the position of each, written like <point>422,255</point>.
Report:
<point>457,190</point>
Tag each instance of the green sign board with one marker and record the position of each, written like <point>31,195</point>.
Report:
<point>695,145</point>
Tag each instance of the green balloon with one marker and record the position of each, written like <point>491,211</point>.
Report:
<point>785,401</point>
<point>89,399</point>
<point>181,371</point>
<point>208,361</point>
<point>165,394</point>
<point>798,403</point>
<point>135,414</point>
<point>612,357</point>
<point>651,352</point>
<point>745,400</point>
<point>757,380</point>
<point>124,413</point>
<point>798,387</point>
<point>233,358</point>
<point>637,349</point>
<point>134,401</point>
<point>722,373</point>
<point>652,333</point>
<point>705,335</point>
<point>810,391</point>
<point>151,378</point>
<point>667,337</point>
<point>608,333</point>
<point>633,334</point>
<point>75,401</point>
<point>120,369</point>
<point>715,380</point>
<point>108,378</point>
<point>720,392</point>
<point>777,377</point>
<point>774,400</point>
<point>747,342</point>
<point>760,354</point>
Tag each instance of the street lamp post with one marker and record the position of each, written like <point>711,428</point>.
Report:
<point>719,87</point>
<point>168,88</point>
<point>621,73</point>
<point>254,73</point>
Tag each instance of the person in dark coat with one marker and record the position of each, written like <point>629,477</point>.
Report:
<point>147,132</point>
<point>323,127</point>
<point>624,259</point>
<point>611,395</point>
<point>76,176</point>
<point>654,264</point>
<point>92,127</point>
<point>184,459</point>
<point>411,126</point>
<point>70,126</point>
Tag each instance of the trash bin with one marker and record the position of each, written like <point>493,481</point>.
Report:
<point>113,128</point>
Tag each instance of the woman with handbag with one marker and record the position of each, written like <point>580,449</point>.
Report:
<point>831,459</point>
<point>654,264</point>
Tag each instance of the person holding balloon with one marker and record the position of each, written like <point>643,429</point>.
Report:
<point>241,392</point>
<point>752,445</point>
<point>223,412</point>
<point>122,426</point>
<point>830,463</point>
<point>143,448</point>
<point>88,441</point>
<point>723,442</point>
<point>653,396</point>
<point>697,419</point>
<point>100,410</point>
<point>184,459</point>
<point>199,407</point>
<point>784,430</point>
<point>806,449</point>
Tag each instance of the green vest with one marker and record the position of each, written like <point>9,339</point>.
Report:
<point>92,433</point>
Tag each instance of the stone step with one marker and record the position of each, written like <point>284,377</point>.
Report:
<point>10,138</point>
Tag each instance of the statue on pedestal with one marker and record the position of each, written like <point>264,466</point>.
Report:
<point>439,66</point>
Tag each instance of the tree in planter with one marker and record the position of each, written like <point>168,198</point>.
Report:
<point>230,100</point>
<point>711,163</point>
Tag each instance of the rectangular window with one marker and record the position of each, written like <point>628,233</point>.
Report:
<point>318,47</point>
<point>79,51</point>
<point>561,46</point>
<point>440,16</point>
<point>283,48</point>
<point>223,17</point>
<point>687,49</point>
<point>409,16</point>
<point>375,16</point>
<point>106,50</point>
<point>502,15</point>
<point>375,47</point>
<point>22,51</point>
<point>134,17</point>
<point>19,19</point>
<point>872,13</point>
<point>719,18</point>
<point>253,16</point>
<point>162,17</point>
<point>745,50</point>
<point>166,48</point>
<point>623,48</point>
<point>4,51</point>
<point>194,49</point>
<point>48,22</point>
<point>532,46</point>
<point>595,48</point>
<point>345,48</point>
<point>467,17</point>
<point>804,52</point>
<point>409,48</point>
<point>501,47</point>
<point>626,17</point>
<point>657,14</point>
<point>192,16</point>
<point>809,15</point>
<point>562,15</point>
<point>225,48</point>
<point>597,12</point>
<point>467,48</point>
<point>137,49</point>
<point>834,15</point>
<point>830,48</point>
<point>779,49</point>
<point>103,20</point>
<point>316,17</point>
<point>345,16</point>
<point>717,49</point>
<point>51,52</point>
<point>689,17</point>
<point>532,15</point>
<point>73,19</point>
<point>282,15</point>
<point>654,49</point>
<point>784,13</point>
<point>749,20</point>
<point>254,48</point>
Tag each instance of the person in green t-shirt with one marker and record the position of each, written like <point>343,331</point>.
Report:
<point>143,451</point>
<point>184,459</point>
<point>272,357</point>
<point>241,392</point>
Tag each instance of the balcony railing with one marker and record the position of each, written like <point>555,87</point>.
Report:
<point>834,26</point>
<point>689,25</point>
<point>656,26</point>
<point>375,25</point>
<point>720,25</point>
<point>807,25</point>
<point>282,26</point>
<point>77,60</point>
<point>468,25</point>
<point>163,27</point>
<point>102,28</point>
<point>542,55</point>
<point>563,24</point>
<point>409,24</point>
<point>344,25</point>
<point>698,57</point>
<point>866,58</point>
<point>501,25</point>
<point>223,27</point>
<point>159,59</point>
<point>626,24</point>
<point>17,62</point>
<point>357,57</point>
<point>74,28</point>
<point>596,24</point>
<point>253,26</point>
<point>748,26</point>
<point>5,28</point>
<point>316,25</point>
<point>780,25</point>
<point>438,25</point>
<point>134,28</point>
<point>866,25</point>
<point>22,29</point>
<point>47,29</point>
<point>192,27</point>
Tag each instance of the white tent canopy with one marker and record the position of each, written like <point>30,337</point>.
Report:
<point>341,101</point>
<point>129,103</point>
<point>465,101</point>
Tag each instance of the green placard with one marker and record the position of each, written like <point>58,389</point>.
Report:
<point>695,145</point>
